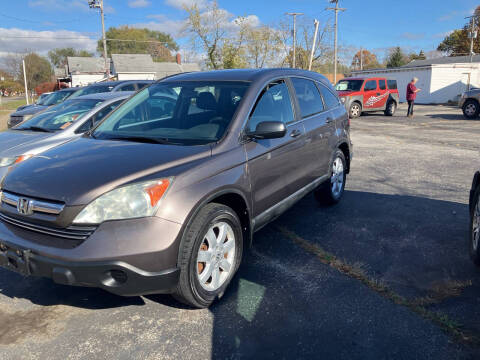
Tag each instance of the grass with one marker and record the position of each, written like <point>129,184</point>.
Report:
<point>440,291</point>
<point>12,105</point>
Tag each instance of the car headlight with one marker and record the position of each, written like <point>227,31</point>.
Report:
<point>342,99</point>
<point>27,117</point>
<point>126,202</point>
<point>7,161</point>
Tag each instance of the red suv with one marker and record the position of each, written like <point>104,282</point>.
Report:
<point>367,95</point>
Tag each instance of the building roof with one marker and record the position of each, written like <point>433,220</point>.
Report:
<point>442,60</point>
<point>164,69</point>
<point>189,67</point>
<point>85,65</point>
<point>133,63</point>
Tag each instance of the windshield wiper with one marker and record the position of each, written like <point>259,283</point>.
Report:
<point>142,139</point>
<point>36,128</point>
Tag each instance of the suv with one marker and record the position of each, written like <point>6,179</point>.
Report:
<point>164,195</point>
<point>113,86</point>
<point>368,95</point>
<point>469,103</point>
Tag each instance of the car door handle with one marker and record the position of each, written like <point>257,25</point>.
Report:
<point>329,120</point>
<point>295,133</point>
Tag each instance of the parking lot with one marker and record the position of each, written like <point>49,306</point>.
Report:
<point>384,274</point>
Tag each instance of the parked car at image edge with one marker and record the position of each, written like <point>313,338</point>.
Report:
<point>361,95</point>
<point>470,103</point>
<point>474,203</point>
<point>113,86</point>
<point>57,97</point>
<point>165,194</point>
<point>55,126</point>
<point>41,99</point>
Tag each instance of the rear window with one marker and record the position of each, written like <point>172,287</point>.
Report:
<point>392,84</point>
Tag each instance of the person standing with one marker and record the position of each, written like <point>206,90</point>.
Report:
<point>411,96</point>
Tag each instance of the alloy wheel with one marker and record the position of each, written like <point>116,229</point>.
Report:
<point>337,178</point>
<point>470,109</point>
<point>216,256</point>
<point>355,110</point>
<point>476,226</point>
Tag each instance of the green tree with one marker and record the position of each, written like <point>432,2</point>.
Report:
<point>139,41</point>
<point>457,42</point>
<point>58,56</point>
<point>38,70</point>
<point>396,58</point>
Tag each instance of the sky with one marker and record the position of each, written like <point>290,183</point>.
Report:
<point>377,25</point>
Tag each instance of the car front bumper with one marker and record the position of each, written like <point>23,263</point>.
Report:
<point>128,257</point>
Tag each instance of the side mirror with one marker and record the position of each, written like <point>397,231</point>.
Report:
<point>268,130</point>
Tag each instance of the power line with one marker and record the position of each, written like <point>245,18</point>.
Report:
<point>336,9</point>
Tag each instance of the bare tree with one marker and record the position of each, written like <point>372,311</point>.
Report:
<point>264,46</point>
<point>207,30</point>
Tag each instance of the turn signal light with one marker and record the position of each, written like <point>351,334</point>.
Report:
<point>22,158</point>
<point>155,192</point>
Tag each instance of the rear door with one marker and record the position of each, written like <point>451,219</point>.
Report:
<point>370,91</point>
<point>382,94</point>
<point>318,124</point>
<point>273,164</point>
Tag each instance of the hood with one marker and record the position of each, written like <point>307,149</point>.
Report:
<point>12,140</point>
<point>347,93</point>
<point>31,110</point>
<point>79,171</point>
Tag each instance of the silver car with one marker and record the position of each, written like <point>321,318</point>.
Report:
<point>55,126</point>
<point>470,103</point>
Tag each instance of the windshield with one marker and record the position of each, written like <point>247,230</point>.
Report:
<point>43,98</point>
<point>93,90</point>
<point>57,97</point>
<point>349,85</point>
<point>183,113</point>
<point>61,116</point>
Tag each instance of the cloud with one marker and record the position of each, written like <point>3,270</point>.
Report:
<point>138,3</point>
<point>442,35</point>
<point>412,36</point>
<point>179,4</point>
<point>456,13</point>
<point>18,40</point>
<point>163,24</point>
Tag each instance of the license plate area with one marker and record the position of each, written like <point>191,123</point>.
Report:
<point>15,260</point>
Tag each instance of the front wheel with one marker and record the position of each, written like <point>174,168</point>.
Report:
<point>331,191</point>
<point>475,229</point>
<point>355,110</point>
<point>210,254</point>
<point>471,109</point>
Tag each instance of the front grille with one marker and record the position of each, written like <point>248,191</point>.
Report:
<point>72,232</point>
<point>14,120</point>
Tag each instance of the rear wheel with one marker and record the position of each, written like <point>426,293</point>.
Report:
<point>475,229</point>
<point>471,109</point>
<point>331,191</point>
<point>391,108</point>
<point>355,110</point>
<point>210,254</point>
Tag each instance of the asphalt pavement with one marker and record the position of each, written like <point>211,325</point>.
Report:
<point>385,274</point>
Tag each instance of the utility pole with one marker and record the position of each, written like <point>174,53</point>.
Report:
<point>336,9</point>
<point>317,23</point>
<point>361,58</point>
<point>294,37</point>
<point>25,80</point>
<point>472,34</point>
<point>98,4</point>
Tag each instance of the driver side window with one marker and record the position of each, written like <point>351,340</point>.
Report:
<point>274,104</point>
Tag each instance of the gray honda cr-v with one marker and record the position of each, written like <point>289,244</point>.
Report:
<point>165,194</point>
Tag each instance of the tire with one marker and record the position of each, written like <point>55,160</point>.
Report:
<point>211,219</point>
<point>391,108</point>
<point>355,110</point>
<point>331,191</point>
<point>474,238</point>
<point>471,109</point>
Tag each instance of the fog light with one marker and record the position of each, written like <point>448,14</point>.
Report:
<point>114,278</point>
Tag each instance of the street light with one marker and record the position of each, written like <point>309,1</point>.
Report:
<point>98,4</point>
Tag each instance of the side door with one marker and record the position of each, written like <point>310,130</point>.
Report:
<point>382,95</point>
<point>273,163</point>
<point>370,90</point>
<point>317,124</point>
<point>98,117</point>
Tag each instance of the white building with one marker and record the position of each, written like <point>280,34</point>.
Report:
<point>133,67</point>
<point>85,70</point>
<point>441,80</point>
